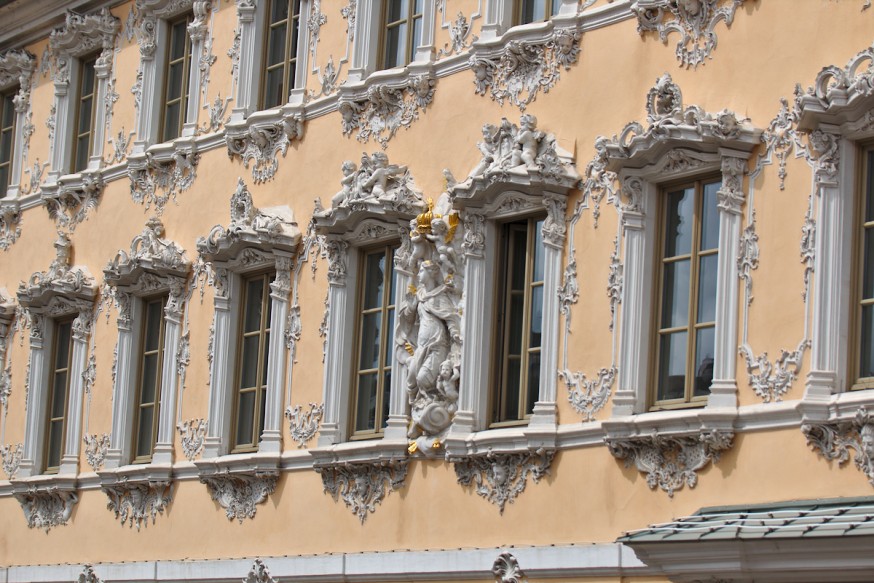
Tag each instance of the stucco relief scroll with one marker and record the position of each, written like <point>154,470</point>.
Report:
<point>833,440</point>
<point>363,486</point>
<point>501,477</point>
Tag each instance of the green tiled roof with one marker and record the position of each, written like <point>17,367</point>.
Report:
<point>835,517</point>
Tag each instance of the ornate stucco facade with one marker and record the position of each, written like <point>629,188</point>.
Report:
<point>734,444</point>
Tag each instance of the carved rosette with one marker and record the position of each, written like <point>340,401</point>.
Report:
<point>46,508</point>
<point>694,20</point>
<point>501,477</point>
<point>379,111</point>
<point>670,462</point>
<point>260,144</point>
<point>834,439</point>
<point>519,69</point>
<point>363,486</point>
<point>240,494</point>
<point>137,501</point>
<point>155,183</point>
<point>506,569</point>
<point>303,425</point>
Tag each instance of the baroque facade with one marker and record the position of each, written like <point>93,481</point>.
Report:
<point>468,290</point>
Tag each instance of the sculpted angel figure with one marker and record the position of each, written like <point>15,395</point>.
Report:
<point>526,142</point>
<point>347,192</point>
<point>381,172</point>
<point>488,148</point>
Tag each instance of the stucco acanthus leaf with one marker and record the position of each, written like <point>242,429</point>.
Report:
<point>216,112</point>
<point>149,250</point>
<point>770,381</point>
<point>375,185</point>
<point>363,486</point>
<point>588,396</point>
<point>380,110</point>
<point>17,66</point>
<point>261,144</point>
<point>46,508</point>
<point>348,13</point>
<point>506,569</point>
<point>157,182</point>
<point>10,457</point>
<point>460,38</point>
<point>259,573</point>
<point>70,199</point>
<point>304,425</point>
<point>32,187</point>
<point>191,435</point>
<point>693,20</point>
<point>136,502</point>
<point>10,223</point>
<point>834,439</point>
<point>234,55</point>
<point>120,145</point>
<point>239,494</point>
<point>519,69</point>
<point>748,256</point>
<point>315,21</point>
<point>148,12</point>
<point>781,138</point>
<point>501,477</point>
<point>88,576</point>
<point>670,462</point>
<point>96,447</point>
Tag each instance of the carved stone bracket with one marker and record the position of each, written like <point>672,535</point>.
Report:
<point>137,501</point>
<point>670,462</point>
<point>148,175</point>
<point>364,485</point>
<point>501,477</point>
<point>259,573</point>
<point>69,200</point>
<point>516,70</point>
<point>834,439</point>
<point>46,507</point>
<point>693,20</point>
<point>507,570</point>
<point>303,426</point>
<point>240,493</point>
<point>379,110</point>
<point>10,223</point>
<point>260,142</point>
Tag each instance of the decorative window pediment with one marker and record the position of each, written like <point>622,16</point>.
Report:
<point>153,263</point>
<point>61,289</point>
<point>17,67</point>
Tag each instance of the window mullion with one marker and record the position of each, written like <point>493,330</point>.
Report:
<point>526,320</point>
<point>693,291</point>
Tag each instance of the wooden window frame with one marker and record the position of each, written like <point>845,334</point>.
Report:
<point>410,21</point>
<point>386,342</point>
<point>51,383</point>
<point>502,299</point>
<point>692,326</point>
<point>549,11</point>
<point>156,404</point>
<point>74,153</point>
<point>865,180</point>
<point>260,389</point>
<point>290,61</point>
<point>7,100</point>
<point>184,94</point>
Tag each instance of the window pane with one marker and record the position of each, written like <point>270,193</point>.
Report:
<point>417,39</point>
<point>82,152</point>
<point>396,10</point>
<point>538,252</point>
<point>511,392</point>
<point>386,397</point>
<point>391,277</point>
<point>533,10</point>
<point>678,234</point>
<point>707,288</point>
<point>869,203</point>
<point>261,412</point>
<point>254,297</point>
<point>144,431</point>
<point>87,87</point>
<point>278,10</point>
<point>391,328</point>
<point>171,121</point>
<point>178,35</point>
<point>265,359</point>
<point>672,366</point>
<point>556,6</point>
<point>866,359</point>
<point>174,80</point>
<point>4,179</point>
<point>536,316</point>
<point>59,395</point>
<point>9,109</point>
<point>365,411</point>
<point>245,417</point>
<point>395,44</point>
<point>150,377</point>
<point>675,305</point>
<point>56,434</point>
<point>373,280</point>
<point>533,381</point>
<point>154,313</point>
<point>710,217</point>
<point>5,146</point>
<point>514,327</point>
<point>274,94</point>
<point>370,334</point>
<point>868,272</point>
<point>249,362</point>
<point>518,252</point>
<point>63,345</point>
<point>704,360</point>
<point>85,115</point>
<point>276,45</point>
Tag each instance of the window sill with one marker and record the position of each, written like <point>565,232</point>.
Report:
<point>239,482</point>
<point>47,501</point>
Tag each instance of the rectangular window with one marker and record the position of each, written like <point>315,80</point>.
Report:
<point>537,10</point>
<point>7,137</point>
<point>56,415</point>
<point>519,322</point>
<point>176,79</point>
<point>687,281</point>
<point>149,390</point>
<point>864,317</point>
<point>375,327</point>
<point>281,52</point>
<point>252,362</point>
<point>84,115</point>
<point>402,32</point>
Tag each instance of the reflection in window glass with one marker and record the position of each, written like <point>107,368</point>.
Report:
<point>402,32</point>
<point>176,79</point>
<point>252,362</point>
<point>56,415</point>
<point>280,61</point>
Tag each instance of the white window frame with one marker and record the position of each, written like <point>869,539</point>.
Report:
<point>59,292</point>
<point>79,37</point>
<point>17,68</point>
<point>154,267</point>
<point>499,16</point>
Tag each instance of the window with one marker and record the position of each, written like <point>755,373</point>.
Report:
<point>7,138</point>
<point>864,315</point>
<point>149,393</point>
<point>85,106</point>
<point>687,280</point>
<point>402,32</point>
<point>177,79</point>
<point>519,322</point>
<point>537,10</point>
<point>375,331</point>
<point>283,32</point>
<point>56,421</point>
<point>252,361</point>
